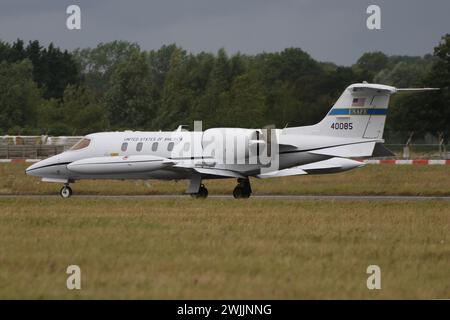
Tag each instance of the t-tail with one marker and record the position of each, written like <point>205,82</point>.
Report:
<point>358,117</point>
<point>360,112</point>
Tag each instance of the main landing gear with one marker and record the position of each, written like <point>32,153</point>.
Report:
<point>243,190</point>
<point>198,190</point>
<point>65,191</point>
<point>201,194</point>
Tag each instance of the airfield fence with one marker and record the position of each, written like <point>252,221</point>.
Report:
<point>41,147</point>
<point>34,147</point>
<point>422,151</point>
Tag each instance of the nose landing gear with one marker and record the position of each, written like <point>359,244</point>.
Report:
<point>243,190</point>
<point>65,191</point>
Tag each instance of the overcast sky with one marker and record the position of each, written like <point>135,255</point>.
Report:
<point>330,30</point>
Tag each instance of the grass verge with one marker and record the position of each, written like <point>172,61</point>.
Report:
<point>250,249</point>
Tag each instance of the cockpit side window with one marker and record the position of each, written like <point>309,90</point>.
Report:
<point>83,143</point>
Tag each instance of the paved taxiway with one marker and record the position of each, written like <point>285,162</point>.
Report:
<point>259,197</point>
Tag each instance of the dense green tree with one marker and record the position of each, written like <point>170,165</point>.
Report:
<point>117,85</point>
<point>82,111</point>
<point>247,103</point>
<point>57,70</point>
<point>427,112</point>
<point>78,113</point>
<point>290,79</point>
<point>53,69</point>
<point>214,101</point>
<point>176,98</point>
<point>369,64</point>
<point>19,97</point>
<point>160,63</point>
<point>128,101</point>
<point>50,118</point>
<point>99,64</point>
<point>405,72</point>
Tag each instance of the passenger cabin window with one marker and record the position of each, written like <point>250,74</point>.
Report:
<point>139,147</point>
<point>83,143</point>
<point>170,146</point>
<point>155,146</point>
<point>124,146</point>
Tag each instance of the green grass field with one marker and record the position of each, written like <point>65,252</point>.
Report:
<point>249,249</point>
<point>369,180</point>
<point>225,248</point>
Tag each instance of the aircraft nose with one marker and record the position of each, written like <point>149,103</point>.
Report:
<point>37,168</point>
<point>33,169</point>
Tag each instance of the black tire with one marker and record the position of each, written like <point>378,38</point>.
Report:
<point>201,194</point>
<point>65,192</point>
<point>238,192</point>
<point>241,193</point>
<point>246,195</point>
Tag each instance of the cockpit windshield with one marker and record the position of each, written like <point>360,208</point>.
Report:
<point>83,143</point>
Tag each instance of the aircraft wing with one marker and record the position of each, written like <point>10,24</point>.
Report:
<point>219,172</point>
<point>326,166</point>
<point>283,147</point>
<point>209,171</point>
<point>295,171</point>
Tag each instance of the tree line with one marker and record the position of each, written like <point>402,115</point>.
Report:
<point>117,85</point>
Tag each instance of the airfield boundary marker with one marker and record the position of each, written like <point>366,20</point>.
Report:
<point>409,162</point>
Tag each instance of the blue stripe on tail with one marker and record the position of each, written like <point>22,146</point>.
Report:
<point>357,112</point>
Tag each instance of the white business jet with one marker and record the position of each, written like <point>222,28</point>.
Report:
<point>353,128</point>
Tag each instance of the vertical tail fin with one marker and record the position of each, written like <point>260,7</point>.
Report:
<point>360,112</point>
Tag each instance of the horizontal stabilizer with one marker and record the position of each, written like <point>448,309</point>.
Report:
<point>416,89</point>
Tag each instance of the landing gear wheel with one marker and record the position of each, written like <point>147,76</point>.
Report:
<point>65,192</point>
<point>238,192</point>
<point>201,194</point>
<point>242,190</point>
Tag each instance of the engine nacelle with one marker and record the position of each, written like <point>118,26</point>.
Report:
<point>231,145</point>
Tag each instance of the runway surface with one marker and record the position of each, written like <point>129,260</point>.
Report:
<point>258,197</point>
